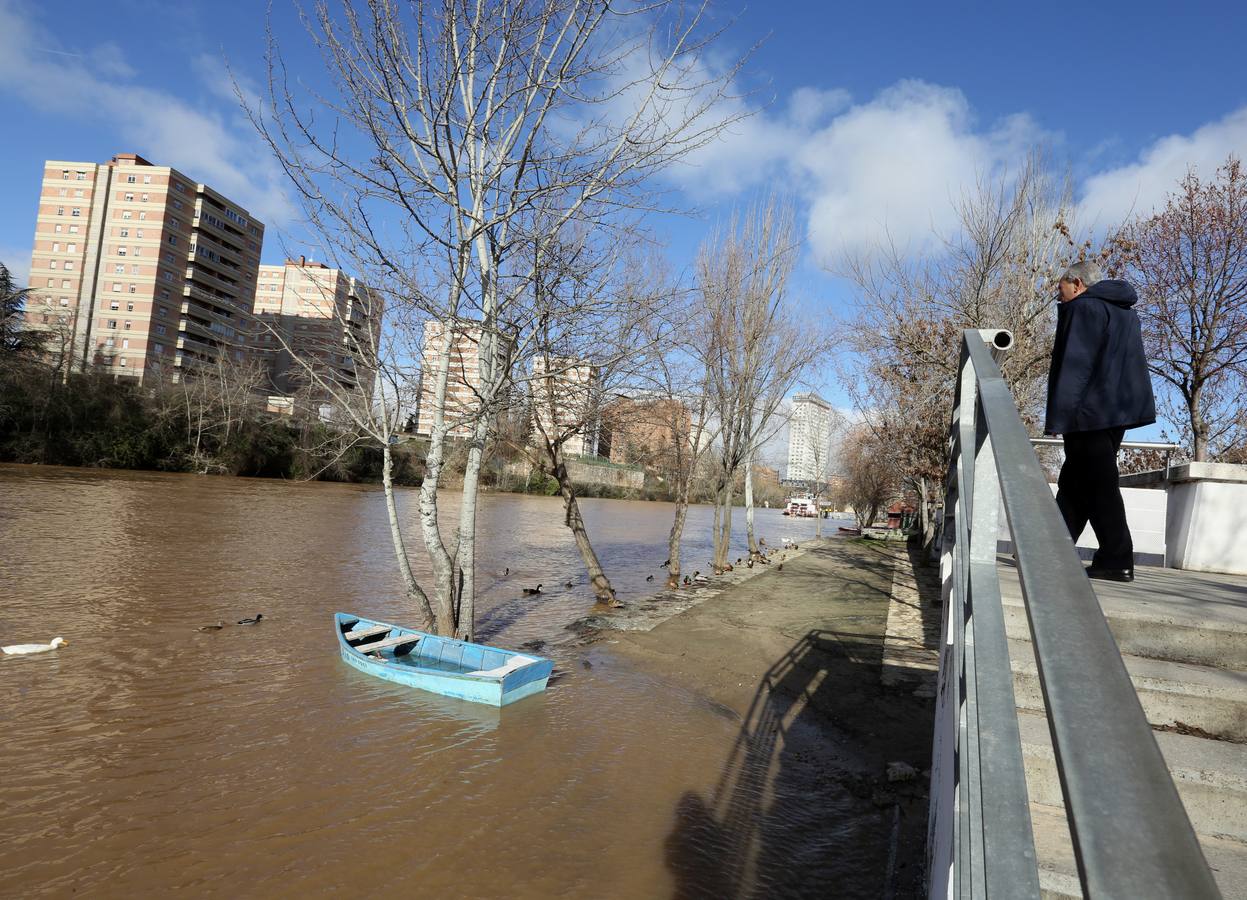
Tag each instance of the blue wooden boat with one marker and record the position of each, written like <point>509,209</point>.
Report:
<point>438,664</point>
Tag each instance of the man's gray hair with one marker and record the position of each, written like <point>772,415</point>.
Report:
<point>1087,271</point>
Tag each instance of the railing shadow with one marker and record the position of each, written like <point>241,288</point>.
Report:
<point>802,807</point>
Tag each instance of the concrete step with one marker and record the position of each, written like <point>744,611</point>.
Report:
<point>1211,776</point>
<point>1205,697</point>
<point>1163,614</point>
<point>1058,872</point>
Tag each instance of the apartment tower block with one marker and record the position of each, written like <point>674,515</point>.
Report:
<point>330,320</point>
<point>809,438</point>
<point>141,270</point>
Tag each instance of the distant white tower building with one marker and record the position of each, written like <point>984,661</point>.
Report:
<point>809,438</point>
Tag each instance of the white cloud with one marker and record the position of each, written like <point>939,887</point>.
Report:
<point>1138,188</point>
<point>885,169</point>
<point>201,142</point>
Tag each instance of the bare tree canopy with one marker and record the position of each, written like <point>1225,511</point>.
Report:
<point>455,146</point>
<point>1189,263</point>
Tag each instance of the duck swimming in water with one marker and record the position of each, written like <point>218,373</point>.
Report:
<point>26,649</point>
<point>529,592</point>
<point>217,627</point>
<point>255,620</point>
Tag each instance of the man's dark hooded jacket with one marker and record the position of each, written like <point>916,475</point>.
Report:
<point>1099,376</point>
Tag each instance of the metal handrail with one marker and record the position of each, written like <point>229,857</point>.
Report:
<point>1131,835</point>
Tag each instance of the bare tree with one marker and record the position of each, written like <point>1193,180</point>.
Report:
<point>997,269</point>
<point>754,348</point>
<point>457,142</point>
<point>869,480</point>
<point>1189,262</point>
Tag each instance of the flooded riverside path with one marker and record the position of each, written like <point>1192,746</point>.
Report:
<point>251,761</point>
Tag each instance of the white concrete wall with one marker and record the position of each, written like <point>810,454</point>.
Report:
<point>1208,531</point>
<point>1145,514</point>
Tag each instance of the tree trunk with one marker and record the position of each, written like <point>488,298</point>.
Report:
<point>753,544</point>
<point>597,577</point>
<point>465,612</point>
<point>396,535</point>
<point>723,540</point>
<point>1199,428</point>
<point>677,528</point>
<point>439,557</point>
<point>818,511</point>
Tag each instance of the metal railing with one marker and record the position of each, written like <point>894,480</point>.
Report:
<point>1130,832</point>
<point>1168,449</point>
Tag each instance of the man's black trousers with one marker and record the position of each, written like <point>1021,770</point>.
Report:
<point>1087,491</point>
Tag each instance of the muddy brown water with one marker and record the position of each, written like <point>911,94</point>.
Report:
<point>148,756</point>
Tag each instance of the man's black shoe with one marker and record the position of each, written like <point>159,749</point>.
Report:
<point>1104,574</point>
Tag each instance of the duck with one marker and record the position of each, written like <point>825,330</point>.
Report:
<point>530,592</point>
<point>738,560</point>
<point>665,564</point>
<point>23,649</point>
<point>254,620</point>
<point>566,584</point>
<point>649,578</point>
<point>749,565</point>
<point>217,627</point>
<point>506,571</point>
<point>779,568</point>
<point>687,581</point>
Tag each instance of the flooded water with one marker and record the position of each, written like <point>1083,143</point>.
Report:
<point>251,761</point>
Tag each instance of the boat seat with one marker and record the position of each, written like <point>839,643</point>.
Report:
<point>515,662</point>
<point>365,633</point>
<point>398,641</point>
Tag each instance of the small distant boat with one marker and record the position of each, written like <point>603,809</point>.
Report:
<point>440,665</point>
<point>850,530</point>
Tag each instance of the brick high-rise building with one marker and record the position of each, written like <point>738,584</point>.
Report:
<point>461,342</point>
<point>141,268</point>
<point>644,429</point>
<point>330,319</point>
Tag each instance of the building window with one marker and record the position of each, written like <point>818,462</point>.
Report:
<point>119,269</point>
<point>160,329</point>
<point>73,229</point>
<point>116,287</point>
<point>79,193</point>
<point>58,227</point>
<point>72,248</point>
<point>69,264</point>
<point>127,324</point>
<point>125,343</point>
<point>56,247</point>
<point>112,323</point>
<point>169,257</point>
<point>145,198</point>
<point>173,239</point>
<point>51,264</point>
<point>129,179</point>
<point>64,192</point>
<point>64,284</point>
<point>122,251</point>
<point>158,348</point>
<point>80,176</point>
<point>122,362</point>
<point>125,232</point>
<point>51,282</point>
<point>60,210</point>
<point>167,276</point>
<point>147,179</point>
<point>133,289</point>
<point>114,306</point>
<point>64,301</point>
<point>177,204</point>
<point>143,216</point>
<point>126,215</point>
<point>134,270</point>
<point>138,251</point>
<point>138,233</point>
<point>77,211</point>
<point>164,311</point>
<point>65,174</point>
<point>110,342</point>
<point>129,198</point>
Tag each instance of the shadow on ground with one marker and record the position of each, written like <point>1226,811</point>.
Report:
<point>790,817</point>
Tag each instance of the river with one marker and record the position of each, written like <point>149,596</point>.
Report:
<point>148,756</point>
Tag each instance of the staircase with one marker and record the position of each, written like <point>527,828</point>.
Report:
<point>1183,637</point>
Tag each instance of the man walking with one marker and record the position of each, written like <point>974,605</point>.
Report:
<point>1098,387</point>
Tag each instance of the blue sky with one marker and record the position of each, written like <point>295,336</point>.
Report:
<point>871,115</point>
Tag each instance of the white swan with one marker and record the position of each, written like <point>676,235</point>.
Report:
<point>19,649</point>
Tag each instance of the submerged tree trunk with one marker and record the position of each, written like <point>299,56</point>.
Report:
<point>597,577</point>
<point>396,535</point>
<point>439,557</point>
<point>723,536</point>
<point>753,544</point>
<point>677,530</point>
<point>465,580</point>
